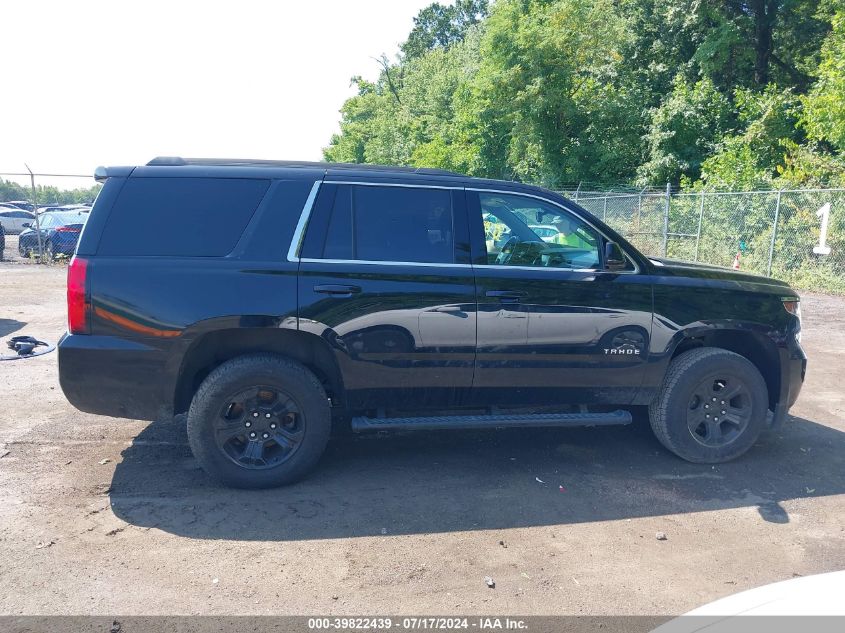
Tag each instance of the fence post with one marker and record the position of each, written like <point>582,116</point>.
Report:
<point>604,208</point>
<point>577,189</point>
<point>698,233</point>
<point>35,213</point>
<point>666,218</point>
<point>774,235</point>
<point>639,208</point>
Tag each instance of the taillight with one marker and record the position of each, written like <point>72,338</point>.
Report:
<point>67,229</point>
<point>77,301</point>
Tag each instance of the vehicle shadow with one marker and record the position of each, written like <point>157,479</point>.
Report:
<point>7,326</point>
<point>425,482</point>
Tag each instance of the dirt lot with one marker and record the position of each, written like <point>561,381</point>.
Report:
<point>405,523</point>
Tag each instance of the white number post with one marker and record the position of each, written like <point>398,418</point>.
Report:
<point>823,248</point>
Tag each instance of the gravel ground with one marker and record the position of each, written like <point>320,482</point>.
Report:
<point>105,516</point>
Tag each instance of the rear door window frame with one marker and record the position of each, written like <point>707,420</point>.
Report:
<point>317,212</point>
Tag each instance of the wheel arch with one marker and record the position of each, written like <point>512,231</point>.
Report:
<point>214,348</point>
<point>760,350</point>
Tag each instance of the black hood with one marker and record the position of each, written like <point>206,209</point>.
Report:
<point>677,268</point>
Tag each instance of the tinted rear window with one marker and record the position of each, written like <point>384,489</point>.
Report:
<point>181,217</point>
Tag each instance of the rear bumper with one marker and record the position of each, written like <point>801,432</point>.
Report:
<point>115,377</point>
<point>64,245</point>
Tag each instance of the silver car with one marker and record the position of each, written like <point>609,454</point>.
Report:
<point>13,220</point>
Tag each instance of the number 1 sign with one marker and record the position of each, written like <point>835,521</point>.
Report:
<point>822,248</point>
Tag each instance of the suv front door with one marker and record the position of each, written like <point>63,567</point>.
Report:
<point>554,327</point>
<point>385,278</point>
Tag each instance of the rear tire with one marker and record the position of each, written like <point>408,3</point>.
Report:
<point>259,421</point>
<point>712,406</point>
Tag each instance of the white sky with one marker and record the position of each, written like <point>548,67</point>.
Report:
<point>106,82</point>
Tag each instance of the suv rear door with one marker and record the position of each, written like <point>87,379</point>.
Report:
<point>553,325</point>
<point>385,277</point>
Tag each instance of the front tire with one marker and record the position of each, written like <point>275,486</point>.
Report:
<point>712,406</point>
<point>259,421</point>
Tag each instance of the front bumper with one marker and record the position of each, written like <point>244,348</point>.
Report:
<point>793,369</point>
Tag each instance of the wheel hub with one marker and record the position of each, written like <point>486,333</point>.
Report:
<point>719,410</point>
<point>259,428</point>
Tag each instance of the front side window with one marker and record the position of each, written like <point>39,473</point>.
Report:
<point>522,231</point>
<point>384,224</point>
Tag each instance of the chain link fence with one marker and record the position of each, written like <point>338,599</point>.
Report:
<point>794,235</point>
<point>41,214</point>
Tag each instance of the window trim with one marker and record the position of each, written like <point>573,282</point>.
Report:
<point>302,225</point>
<point>389,184</point>
<point>571,212</point>
<point>299,231</point>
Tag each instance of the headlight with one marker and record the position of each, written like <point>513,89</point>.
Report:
<point>793,306</point>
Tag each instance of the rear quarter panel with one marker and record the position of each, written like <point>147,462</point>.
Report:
<point>147,311</point>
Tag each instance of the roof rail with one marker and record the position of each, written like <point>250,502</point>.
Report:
<point>174,161</point>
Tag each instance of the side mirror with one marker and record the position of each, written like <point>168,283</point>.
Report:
<point>27,225</point>
<point>614,258</point>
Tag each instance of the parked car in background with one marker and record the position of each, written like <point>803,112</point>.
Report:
<point>81,208</point>
<point>59,234</point>
<point>20,204</point>
<point>13,219</point>
<point>544,232</point>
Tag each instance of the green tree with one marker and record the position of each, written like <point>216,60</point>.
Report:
<point>756,154</point>
<point>47,195</point>
<point>556,106</point>
<point>824,106</point>
<point>441,26</point>
<point>737,93</point>
<point>684,131</point>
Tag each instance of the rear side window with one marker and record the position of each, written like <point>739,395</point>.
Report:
<point>383,224</point>
<point>181,217</point>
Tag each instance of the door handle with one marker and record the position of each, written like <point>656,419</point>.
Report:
<point>337,290</point>
<point>506,296</point>
<point>453,310</point>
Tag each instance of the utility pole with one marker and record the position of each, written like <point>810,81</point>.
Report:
<point>666,219</point>
<point>35,212</point>
<point>774,235</point>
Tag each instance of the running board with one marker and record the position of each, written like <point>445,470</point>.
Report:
<point>436,423</point>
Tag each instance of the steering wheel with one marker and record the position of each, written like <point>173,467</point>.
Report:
<point>506,253</point>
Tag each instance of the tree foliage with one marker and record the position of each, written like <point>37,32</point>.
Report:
<point>824,115</point>
<point>47,195</point>
<point>439,26</point>
<point>719,93</point>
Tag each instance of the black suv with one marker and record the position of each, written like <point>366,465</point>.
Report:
<point>273,301</point>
